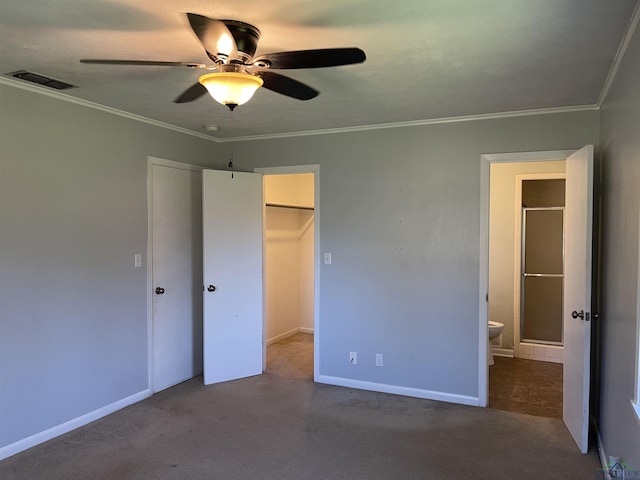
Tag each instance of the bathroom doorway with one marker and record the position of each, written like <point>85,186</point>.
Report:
<point>525,285</point>
<point>577,295</point>
<point>508,213</point>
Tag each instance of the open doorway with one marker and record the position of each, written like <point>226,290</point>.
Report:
<point>526,286</point>
<point>525,283</point>
<point>577,294</point>
<point>290,271</point>
<point>505,257</point>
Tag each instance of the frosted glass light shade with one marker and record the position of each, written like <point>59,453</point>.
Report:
<point>231,88</point>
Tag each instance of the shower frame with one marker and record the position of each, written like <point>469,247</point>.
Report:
<point>522,349</point>
<point>524,275</point>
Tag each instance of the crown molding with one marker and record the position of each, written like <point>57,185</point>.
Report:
<point>622,49</point>
<point>305,133</point>
<point>97,106</point>
<point>417,123</point>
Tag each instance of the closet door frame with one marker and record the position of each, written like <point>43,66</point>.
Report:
<point>317,324</point>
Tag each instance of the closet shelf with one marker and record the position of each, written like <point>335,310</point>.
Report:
<point>284,205</point>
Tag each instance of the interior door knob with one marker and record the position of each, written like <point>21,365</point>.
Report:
<point>211,288</point>
<point>579,314</point>
<point>159,290</point>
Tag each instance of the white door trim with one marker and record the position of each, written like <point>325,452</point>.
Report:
<point>315,169</point>
<point>635,402</point>
<point>485,166</point>
<point>151,161</point>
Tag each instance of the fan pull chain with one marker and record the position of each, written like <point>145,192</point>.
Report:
<point>231,132</point>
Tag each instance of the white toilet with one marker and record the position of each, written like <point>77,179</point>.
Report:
<point>495,329</point>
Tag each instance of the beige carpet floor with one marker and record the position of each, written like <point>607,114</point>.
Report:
<point>291,357</point>
<point>278,426</point>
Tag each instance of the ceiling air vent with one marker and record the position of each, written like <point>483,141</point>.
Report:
<point>41,80</point>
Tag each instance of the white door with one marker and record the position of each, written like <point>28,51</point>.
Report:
<point>577,294</point>
<point>232,209</point>
<point>176,274</point>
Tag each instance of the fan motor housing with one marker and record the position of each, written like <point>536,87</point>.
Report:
<point>246,37</point>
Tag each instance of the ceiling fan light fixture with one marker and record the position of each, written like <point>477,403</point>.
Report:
<point>231,88</point>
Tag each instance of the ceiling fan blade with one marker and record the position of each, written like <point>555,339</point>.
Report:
<point>192,93</point>
<point>287,86</point>
<point>147,63</point>
<point>214,36</point>
<point>325,57</point>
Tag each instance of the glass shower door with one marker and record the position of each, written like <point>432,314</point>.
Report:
<point>542,275</point>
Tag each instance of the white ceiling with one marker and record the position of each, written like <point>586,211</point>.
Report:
<point>426,59</point>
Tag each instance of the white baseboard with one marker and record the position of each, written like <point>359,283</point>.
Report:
<point>287,334</point>
<point>502,352</point>
<point>282,336</point>
<point>398,390</point>
<point>41,437</point>
<point>603,458</point>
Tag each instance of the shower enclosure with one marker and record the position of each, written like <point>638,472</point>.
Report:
<point>542,279</point>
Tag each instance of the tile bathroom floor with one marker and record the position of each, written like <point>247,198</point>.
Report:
<point>526,386</point>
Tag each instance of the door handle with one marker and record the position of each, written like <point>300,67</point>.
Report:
<point>211,288</point>
<point>159,290</point>
<point>579,314</point>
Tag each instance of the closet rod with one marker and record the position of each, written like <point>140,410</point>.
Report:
<point>281,205</point>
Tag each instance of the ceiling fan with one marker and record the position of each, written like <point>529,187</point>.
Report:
<point>235,74</point>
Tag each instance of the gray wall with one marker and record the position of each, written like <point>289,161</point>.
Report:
<point>73,211</point>
<point>399,211</point>
<point>620,119</point>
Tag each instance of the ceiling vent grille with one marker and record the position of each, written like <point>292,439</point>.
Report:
<point>41,80</point>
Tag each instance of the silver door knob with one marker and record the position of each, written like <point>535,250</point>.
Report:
<point>211,288</point>
<point>159,290</point>
<point>579,314</point>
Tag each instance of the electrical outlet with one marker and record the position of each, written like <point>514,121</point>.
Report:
<point>378,359</point>
<point>353,358</point>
